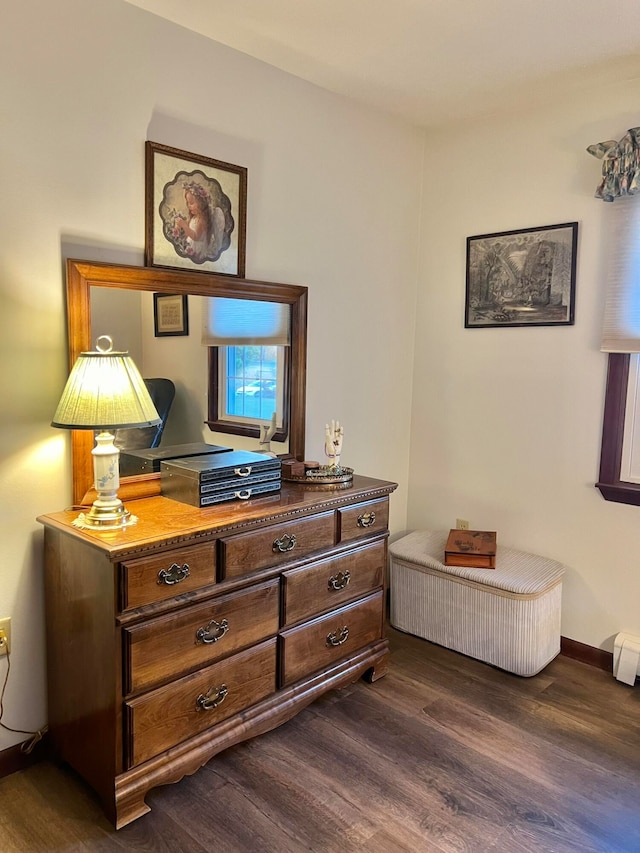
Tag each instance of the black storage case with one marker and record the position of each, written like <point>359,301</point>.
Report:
<point>147,460</point>
<point>206,480</point>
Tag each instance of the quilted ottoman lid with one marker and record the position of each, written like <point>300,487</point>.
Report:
<point>516,571</point>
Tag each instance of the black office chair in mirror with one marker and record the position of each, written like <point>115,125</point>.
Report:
<point>162,391</point>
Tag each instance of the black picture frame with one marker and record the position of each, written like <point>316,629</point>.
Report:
<point>525,277</point>
<point>170,315</point>
<point>182,189</point>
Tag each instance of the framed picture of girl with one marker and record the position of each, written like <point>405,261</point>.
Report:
<point>195,211</point>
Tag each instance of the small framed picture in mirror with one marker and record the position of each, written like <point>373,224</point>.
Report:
<point>195,211</point>
<point>170,315</point>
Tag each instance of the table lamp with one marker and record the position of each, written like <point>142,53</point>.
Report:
<point>104,392</point>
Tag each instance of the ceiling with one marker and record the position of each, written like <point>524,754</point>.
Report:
<point>427,61</point>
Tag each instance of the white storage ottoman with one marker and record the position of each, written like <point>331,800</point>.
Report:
<point>508,616</point>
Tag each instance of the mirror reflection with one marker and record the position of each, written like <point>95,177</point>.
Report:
<point>119,301</point>
<point>128,314</point>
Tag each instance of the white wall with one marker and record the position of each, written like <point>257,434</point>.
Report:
<point>118,314</point>
<point>333,203</point>
<point>507,422</point>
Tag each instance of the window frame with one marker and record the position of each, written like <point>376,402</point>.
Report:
<point>231,427</point>
<point>609,483</point>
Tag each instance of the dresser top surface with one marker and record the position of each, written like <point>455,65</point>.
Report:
<point>162,520</point>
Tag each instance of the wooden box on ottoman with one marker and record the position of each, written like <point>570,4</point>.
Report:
<point>508,616</point>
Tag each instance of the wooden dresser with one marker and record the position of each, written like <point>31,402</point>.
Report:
<point>198,628</point>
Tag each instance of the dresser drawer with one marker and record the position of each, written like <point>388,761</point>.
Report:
<point>150,579</point>
<point>363,519</point>
<point>166,647</point>
<point>323,586</point>
<point>168,715</point>
<point>272,546</point>
<point>317,644</point>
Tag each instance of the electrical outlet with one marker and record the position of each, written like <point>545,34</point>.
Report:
<point>462,524</point>
<point>5,636</point>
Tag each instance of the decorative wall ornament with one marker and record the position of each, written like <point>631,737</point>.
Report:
<point>620,165</point>
<point>195,210</point>
<point>522,278</point>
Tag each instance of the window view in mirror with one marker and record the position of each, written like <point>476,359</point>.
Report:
<point>253,380</point>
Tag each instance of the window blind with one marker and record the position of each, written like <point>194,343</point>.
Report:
<point>245,322</point>
<point>621,326</point>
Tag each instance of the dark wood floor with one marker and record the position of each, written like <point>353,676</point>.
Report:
<point>443,754</point>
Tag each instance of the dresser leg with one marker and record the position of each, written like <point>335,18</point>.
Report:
<point>378,670</point>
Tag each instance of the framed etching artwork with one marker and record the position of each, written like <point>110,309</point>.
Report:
<point>195,212</point>
<point>522,278</point>
<point>170,315</point>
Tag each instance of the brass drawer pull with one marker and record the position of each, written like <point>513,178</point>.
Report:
<point>337,638</point>
<point>366,519</point>
<point>242,472</point>
<point>212,698</point>
<point>213,632</point>
<point>244,495</point>
<point>339,581</point>
<point>174,574</point>
<point>285,543</point>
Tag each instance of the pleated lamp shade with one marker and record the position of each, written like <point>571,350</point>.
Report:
<point>105,391</point>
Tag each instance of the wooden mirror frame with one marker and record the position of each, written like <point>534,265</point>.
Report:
<point>83,275</point>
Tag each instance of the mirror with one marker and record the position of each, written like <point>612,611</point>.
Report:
<point>82,276</point>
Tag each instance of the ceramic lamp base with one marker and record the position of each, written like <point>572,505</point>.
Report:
<point>107,511</point>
